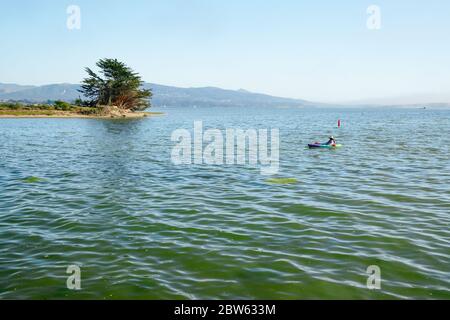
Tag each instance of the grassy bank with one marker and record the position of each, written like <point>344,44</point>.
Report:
<point>65,110</point>
<point>19,109</point>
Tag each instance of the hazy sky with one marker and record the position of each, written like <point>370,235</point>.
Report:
<point>318,50</point>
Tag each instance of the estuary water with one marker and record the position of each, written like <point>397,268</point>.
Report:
<point>105,196</point>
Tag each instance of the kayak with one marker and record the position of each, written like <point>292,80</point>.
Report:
<point>323,146</point>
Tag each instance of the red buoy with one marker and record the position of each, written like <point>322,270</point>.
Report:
<point>339,123</point>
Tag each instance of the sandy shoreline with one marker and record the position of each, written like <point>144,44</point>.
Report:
<point>67,115</point>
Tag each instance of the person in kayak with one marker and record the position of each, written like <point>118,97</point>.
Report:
<point>331,142</point>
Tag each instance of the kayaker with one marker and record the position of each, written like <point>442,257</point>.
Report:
<point>332,141</point>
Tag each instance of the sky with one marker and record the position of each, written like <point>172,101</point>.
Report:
<point>317,50</point>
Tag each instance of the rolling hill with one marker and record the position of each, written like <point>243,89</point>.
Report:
<point>162,96</point>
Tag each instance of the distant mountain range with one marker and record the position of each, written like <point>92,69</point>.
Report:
<point>162,96</point>
<point>204,97</point>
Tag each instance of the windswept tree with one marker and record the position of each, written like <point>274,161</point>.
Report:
<point>115,85</point>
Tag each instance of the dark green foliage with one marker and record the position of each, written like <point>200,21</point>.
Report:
<point>84,103</point>
<point>78,102</point>
<point>62,105</point>
<point>11,106</point>
<point>116,85</point>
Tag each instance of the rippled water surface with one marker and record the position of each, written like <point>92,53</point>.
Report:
<point>104,195</point>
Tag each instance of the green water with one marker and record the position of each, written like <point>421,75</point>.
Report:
<point>104,195</point>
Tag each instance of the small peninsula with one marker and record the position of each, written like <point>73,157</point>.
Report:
<point>114,92</point>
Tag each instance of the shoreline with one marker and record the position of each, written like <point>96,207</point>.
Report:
<point>71,115</point>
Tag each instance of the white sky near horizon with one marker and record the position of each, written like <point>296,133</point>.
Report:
<point>315,50</point>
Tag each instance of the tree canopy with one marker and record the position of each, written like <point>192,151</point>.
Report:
<point>115,85</point>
